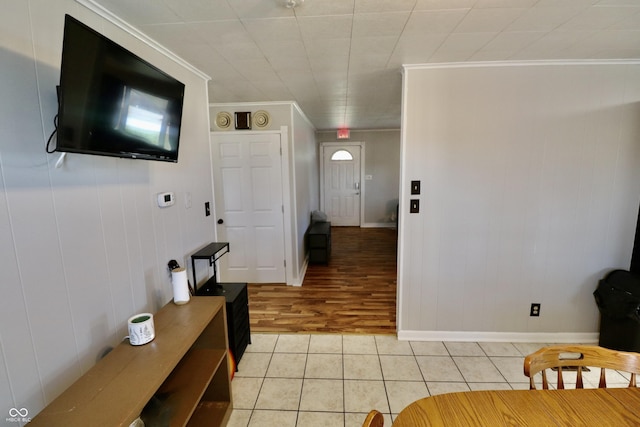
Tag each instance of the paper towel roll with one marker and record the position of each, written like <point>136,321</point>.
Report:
<point>180,285</point>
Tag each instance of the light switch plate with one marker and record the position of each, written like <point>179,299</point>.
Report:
<point>415,187</point>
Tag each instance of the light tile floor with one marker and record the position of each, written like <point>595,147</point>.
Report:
<point>291,380</point>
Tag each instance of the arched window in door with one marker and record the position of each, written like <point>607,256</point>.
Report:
<point>342,155</point>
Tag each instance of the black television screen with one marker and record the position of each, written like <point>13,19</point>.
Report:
<point>113,103</point>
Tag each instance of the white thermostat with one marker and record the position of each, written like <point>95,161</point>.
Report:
<point>166,199</point>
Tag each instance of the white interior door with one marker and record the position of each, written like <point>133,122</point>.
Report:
<point>248,204</point>
<point>341,170</point>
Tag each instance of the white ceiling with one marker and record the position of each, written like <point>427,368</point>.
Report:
<point>341,60</point>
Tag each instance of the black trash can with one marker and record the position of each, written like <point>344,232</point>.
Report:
<point>618,299</point>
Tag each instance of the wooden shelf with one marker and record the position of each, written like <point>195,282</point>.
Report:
<point>208,414</point>
<point>180,393</point>
<point>214,407</point>
<point>184,369</point>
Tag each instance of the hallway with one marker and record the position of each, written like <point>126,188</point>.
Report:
<point>354,293</point>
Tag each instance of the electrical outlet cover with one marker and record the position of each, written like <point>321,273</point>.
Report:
<point>414,207</point>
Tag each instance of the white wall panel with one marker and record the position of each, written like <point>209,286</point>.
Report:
<point>83,246</point>
<point>530,176</point>
<point>35,366</point>
<point>117,255</point>
<point>305,179</point>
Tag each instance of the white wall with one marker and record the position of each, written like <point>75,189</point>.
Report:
<point>306,181</point>
<point>85,246</point>
<point>530,188</point>
<point>382,162</point>
<point>302,171</point>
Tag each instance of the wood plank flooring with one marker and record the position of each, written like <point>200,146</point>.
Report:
<point>355,293</point>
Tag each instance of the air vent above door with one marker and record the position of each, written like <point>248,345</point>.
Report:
<point>223,120</point>
<point>261,119</point>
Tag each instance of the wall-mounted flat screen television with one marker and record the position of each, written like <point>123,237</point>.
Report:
<point>112,102</point>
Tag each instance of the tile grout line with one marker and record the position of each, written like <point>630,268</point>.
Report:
<point>384,382</point>
<point>380,353</point>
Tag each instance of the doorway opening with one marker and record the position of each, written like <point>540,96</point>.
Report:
<point>354,293</point>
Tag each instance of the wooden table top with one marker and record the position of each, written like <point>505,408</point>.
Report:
<point>613,407</point>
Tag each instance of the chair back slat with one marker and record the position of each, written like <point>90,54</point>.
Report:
<point>603,379</point>
<point>559,378</point>
<point>579,357</point>
<point>579,381</point>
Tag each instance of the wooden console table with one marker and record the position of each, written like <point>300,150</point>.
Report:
<point>183,372</point>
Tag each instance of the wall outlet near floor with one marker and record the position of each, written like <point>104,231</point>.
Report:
<point>535,310</point>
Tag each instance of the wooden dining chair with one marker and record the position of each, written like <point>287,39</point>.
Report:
<point>374,419</point>
<point>578,357</point>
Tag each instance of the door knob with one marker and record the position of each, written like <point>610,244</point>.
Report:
<point>220,221</point>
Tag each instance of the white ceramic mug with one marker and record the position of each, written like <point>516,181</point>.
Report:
<point>141,329</point>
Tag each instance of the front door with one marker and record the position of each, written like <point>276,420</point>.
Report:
<point>341,182</point>
<point>248,204</point>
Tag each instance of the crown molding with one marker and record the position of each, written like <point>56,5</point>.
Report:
<point>532,63</point>
<point>133,31</point>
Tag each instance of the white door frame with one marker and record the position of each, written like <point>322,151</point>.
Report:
<point>286,195</point>
<point>362,180</point>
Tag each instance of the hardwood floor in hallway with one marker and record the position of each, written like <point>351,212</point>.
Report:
<point>354,293</point>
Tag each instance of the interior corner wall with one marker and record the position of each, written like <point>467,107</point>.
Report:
<point>530,179</point>
<point>307,185</point>
<point>83,246</point>
<point>382,165</point>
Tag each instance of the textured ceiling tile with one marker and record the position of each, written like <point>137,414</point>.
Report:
<point>325,7</point>
<point>272,28</point>
<point>201,10</point>
<point>504,3</point>
<point>513,41</point>
<point>364,6</point>
<point>597,18</point>
<point>379,24</point>
<point>488,20</point>
<point>415,49</point>
<point>326,27</point>
<point>142,11</point>
<point>342,58</point>
<point>444,4</point>
<point>257,9</point>
<point>442,21</point>
<point>543,18</point>
<point>222,32</point>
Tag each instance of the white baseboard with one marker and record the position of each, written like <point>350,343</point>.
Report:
<point>534,337</point>
<point>378,225</point>
<point>303,271</point>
